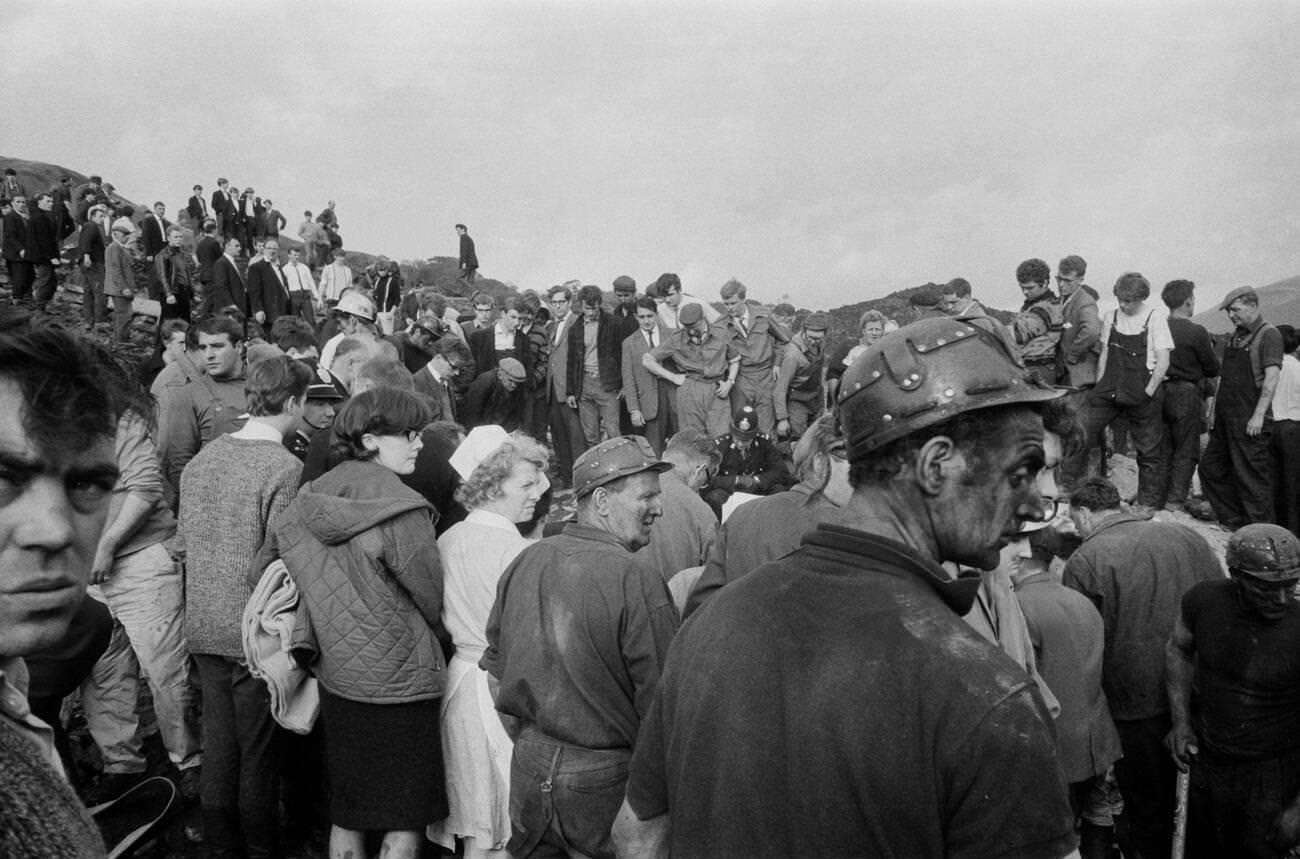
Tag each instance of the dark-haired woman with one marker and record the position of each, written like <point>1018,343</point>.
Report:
<point>361,547</point>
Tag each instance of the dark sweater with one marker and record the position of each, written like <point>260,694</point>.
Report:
<point>39,813</point>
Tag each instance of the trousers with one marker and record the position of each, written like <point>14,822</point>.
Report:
<point>241,766</point>
<point>1148,781</point>
<point>1235,475</point>
<point>1182,419</point>
<point>144,595</point>
<point>755,389</point>
<point>700,408</point>
<point>563,799</point>
<point>597,408</point>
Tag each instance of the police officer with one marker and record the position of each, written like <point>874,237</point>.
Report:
<point>1237,643</point>
<point>751,462</point>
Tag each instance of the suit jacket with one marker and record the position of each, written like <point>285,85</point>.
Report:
<point>208,251</point>
<point>153,238</point>
<point>228,286</point>
<point>640,386</point>
<point>557,372</point>
<point>1078,350</point>
<point>468,256</point>
<point>266,292</point>
<point>197,209</point>
<point>439,396</point>
<point>482,345</point>
<point>15,237</point>
<point>222,204</point>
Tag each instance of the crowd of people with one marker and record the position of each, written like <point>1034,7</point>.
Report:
<point>866,598</point>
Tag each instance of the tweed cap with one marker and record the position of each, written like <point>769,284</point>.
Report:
<point>623,283</point>
<point>613,459</point>
<point>817,322</point>
<point>1239,292</point>
<point>512,368</point>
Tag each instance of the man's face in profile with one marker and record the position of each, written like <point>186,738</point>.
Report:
<point>52,510</point>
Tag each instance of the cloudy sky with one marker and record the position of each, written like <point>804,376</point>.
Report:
<point>832,151</point>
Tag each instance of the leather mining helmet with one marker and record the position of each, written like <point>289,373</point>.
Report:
<point>928,372</point>
<point>1267,552</point>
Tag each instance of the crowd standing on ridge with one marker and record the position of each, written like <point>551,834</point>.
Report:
<point>591,574</point>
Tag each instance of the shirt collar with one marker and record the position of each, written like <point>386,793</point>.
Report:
<point>903,561</point>
<point>256,430</point>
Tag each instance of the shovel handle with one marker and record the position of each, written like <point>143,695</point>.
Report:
<point>1180,816</point>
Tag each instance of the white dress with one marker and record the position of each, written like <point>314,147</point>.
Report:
<point>475,746</point>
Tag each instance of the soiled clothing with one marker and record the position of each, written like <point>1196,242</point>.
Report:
<point>577,637</point>
<point>1247,674</point>
<point>914,736</point>
<point>1136,571</point>
<point>1193,357</point>
<point>683,536</point>
<point>757,532</point>
<point>706,361</point>
<point>1068,638</point>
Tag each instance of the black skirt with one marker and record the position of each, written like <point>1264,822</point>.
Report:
<point>384,763</point>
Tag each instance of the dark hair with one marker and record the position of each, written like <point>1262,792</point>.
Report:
<point>69,399</point>
<point>462,227</point>
<point>283,325</point>
<point>379,411</point>
<point>168,327</point>
<point>293,338</point>
<point>221,325</point>
<point>645,302</point>
<point>450,345</point>
<point>958,286</point>
<point>1063,417</point>
<point>668,280</point>
<point>481,297</point>
<point>1176,293</point>
<point>590,294</point>
<point>209,226</point>
<point>568,293</point>
<point>1290,337</point>
<point>970,431</point>
<point>1095,493</point>
<point>1074,264</point>
<point>1133,285</point>
<point>1033,271</point>
<point>272,382</point>
<point>512,303</point>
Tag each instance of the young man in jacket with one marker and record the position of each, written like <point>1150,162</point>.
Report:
<point>595,372</point>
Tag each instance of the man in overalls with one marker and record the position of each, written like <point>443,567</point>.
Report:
<point>1135,355</point>
<point>1235,474</point>
<point>708,361</point>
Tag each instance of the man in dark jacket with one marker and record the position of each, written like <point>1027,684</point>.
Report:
<point>1192,364</point>
<point>172,267</point>
<point>91,248</point>
<point>468,255</point>
<point>496,397</point>
<point>17,258</point>
<point>43,249</point>
<point>595,367</point>
<point>268,295</point>
<point>228,289</point>
<point>207,251</point>
<point>750,462</point>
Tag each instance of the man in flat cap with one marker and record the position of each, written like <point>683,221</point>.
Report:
<point>574,673</point>
<point>833,702</point>
<point>496,397</point>
<point>1235,473</point>
<point>799,396</point>
<point>708,361</point>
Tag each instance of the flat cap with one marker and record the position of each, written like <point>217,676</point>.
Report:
<point>1239,292</point>
<point>123,225</point>
<point>623,283</point>
<point>512,368</point>
<point>690,314</point>
<point>612,460</point>
<point>816,322</point>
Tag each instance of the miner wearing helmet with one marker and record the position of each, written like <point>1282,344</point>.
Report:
<point>1237,644</point>
<point>1135,569</point>
<point>838,686</point>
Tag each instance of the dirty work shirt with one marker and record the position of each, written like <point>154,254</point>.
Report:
<point>833,703</point>
<point>577,638</point>
<point>1247,674</point>
<point>706,361</point>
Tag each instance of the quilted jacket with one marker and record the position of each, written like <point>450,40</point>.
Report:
<point>362,548</point>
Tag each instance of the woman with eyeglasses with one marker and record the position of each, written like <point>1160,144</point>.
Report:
<point>362,549</point>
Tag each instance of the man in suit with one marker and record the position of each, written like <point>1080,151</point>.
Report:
<point>436,378</point>
<point>268,295</point>
<point>228,289</point>
<point>274,220</point>
<point>207,251</point>
<point>153,231</point>
<point>21,271</point>
<point>64,221</point>
<point>198,207</point>
<point>172,268</point>
<point>223,209</point>
<point>566,429</point>
<point>649,401</point>
<point>11,188</point>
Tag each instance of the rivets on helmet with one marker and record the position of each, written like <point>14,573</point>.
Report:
<point>857,386</point>
<point>948,392</point>
<point>875,374</point>
<point>941,341</point>
<point>913,377</point>
<point>886,418</point>
<point>920,348</point>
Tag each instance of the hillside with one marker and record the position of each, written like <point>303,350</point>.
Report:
<point>1279,302</point>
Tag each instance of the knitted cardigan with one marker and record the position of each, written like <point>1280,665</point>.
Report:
<point>230,492</point>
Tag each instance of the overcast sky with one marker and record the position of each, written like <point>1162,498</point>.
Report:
<point>831,151</point>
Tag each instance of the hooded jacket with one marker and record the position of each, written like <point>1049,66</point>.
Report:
<point>362,549</point>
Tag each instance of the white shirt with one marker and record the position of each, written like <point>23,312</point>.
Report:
<point>1158,336</point>
<point>1286,399</point>
<point>257,430</point>
<point>334,278</point>
<point>475,553</point>
<point>297,276</point>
